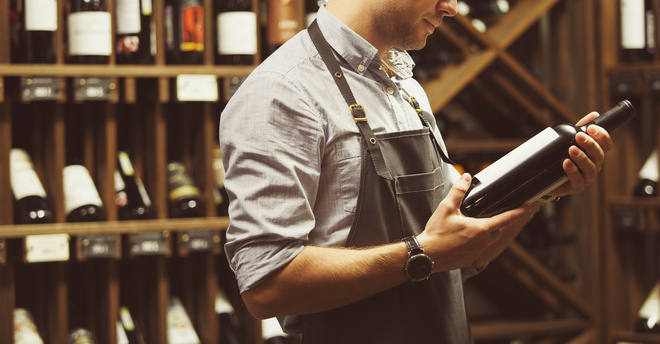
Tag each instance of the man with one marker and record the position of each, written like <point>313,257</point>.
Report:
<point>332,203</point>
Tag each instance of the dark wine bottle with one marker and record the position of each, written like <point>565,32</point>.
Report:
<point>133,334</point>
<point>648,317</point>
<point>647,186</point>
<point>534,168</point>
<point>29,193</point>
<point>82,201</point>
<point>230,331</point>
<point>183,194</point>
<point>35,23</point>
<point>272,333</point>
<point>184,23</point>
<point>133,30</point>
<point>283,23</point>
<point>237,32</point>
<point>90,32</point>
<point>131,197</point>
<point>637,30</point>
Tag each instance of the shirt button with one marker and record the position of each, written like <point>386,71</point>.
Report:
<point>361,68</point>
<point>390,90</point>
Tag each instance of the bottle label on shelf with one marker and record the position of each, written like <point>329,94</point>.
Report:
<point>237,33</point>
<point>90,33</point>
<point>147,244</point>
<point>46,248</point>
<point>23,179</point>
<point>199,241</point>
<point>25,330</point>
<point>41,88</point>
<point>41,15</point>
<point>99,246</point>
<point>79,188</point>
<point>179,327</point>
<point>516,156</point>
<point>128,17</point>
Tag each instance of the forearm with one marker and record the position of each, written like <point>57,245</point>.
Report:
<point>323,278</point>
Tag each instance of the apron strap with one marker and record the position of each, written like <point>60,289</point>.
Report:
<point>356,109</point>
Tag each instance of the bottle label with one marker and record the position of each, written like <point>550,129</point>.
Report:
<point>632,24</point>
<point>41,15</point>
<point>128,17</point>
<point>179,327</point>
<point>90,33</point>
<point>25,331</point>
<point>192,28</point>
<point>516,156</point>
<point>180,184</point>
<point>237,33</point>
<point>282,21</point>
<point>650,169</point>
<point>147,8</point>
<point>651,307</point>
<point>23,178</point>
<point>79,188</point>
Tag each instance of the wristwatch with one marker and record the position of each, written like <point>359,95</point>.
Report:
<point>419,265</point>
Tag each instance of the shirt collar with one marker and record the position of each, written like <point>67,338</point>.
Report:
<point>357,51</point>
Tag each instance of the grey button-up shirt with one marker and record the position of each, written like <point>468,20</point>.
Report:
<point>292,150</point>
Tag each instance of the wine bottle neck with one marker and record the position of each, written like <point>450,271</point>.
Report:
<point>614,117</point>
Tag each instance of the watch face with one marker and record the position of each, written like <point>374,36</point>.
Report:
<point>419,267</point>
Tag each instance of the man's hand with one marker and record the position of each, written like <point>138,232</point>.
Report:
<point>586,160</point>
<point>455,241</point>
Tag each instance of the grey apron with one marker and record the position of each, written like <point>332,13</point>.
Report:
<point>401,184</point>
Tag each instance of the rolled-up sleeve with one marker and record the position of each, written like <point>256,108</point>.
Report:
<point>272,147</point>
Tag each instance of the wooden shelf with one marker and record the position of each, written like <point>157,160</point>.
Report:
<point>120,71</point>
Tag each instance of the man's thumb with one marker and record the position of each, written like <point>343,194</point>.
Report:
<point>457,192</point>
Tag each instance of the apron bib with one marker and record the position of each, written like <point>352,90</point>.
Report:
<point>401,184</point>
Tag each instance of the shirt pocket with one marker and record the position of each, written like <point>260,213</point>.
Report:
<point>348,158</point>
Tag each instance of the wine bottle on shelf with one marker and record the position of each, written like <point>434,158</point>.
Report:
<point>637,30</point>
<point>131,197</point>
<point>81,335</point>
<point>133,30</point>
<point>183,194</point>
<point>30,205</point>
<point>533,169</point>
<point>283,23</point>
<point>131,330</point>
<point>82,201</point>
<point>236,24</point>
<point>184,23</point>
<point>647,185</point>
<point>180,329</point>
<point>25,330</point>
<point>648,317</point>
<point>90,32</point>
<point>221,197</point>
<point>34,23</point>
<point>272,333</point>
<point>230,330</point>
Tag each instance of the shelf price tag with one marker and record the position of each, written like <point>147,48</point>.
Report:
<point>148,244</point>
<point>94,89</point>
<point>41,88</point>
<point>46,248</point>
<point>196,88</point>
<point>99,246</point>
<point>199,241</point>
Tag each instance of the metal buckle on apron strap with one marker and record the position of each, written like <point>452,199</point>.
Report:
<point>358,113</point>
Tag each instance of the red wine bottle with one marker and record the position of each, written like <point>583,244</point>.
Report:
<point>90,36</point>
<point>29,193</point>
<point>184,22</point>
<point>36,24</point>
<point>183,194</point>
<point>637,30</point>
<point>237,32</point>
<point>647,185</point>
<point>82,201</point>
<point>131,197</point>
<point>534,168</point>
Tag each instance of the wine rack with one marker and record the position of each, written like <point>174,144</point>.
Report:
<point>630,236</point>
<point>534,66</point>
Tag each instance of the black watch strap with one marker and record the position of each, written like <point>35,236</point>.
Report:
<point>413,245</point>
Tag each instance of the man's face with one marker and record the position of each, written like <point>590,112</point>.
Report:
<point>405,24</point>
